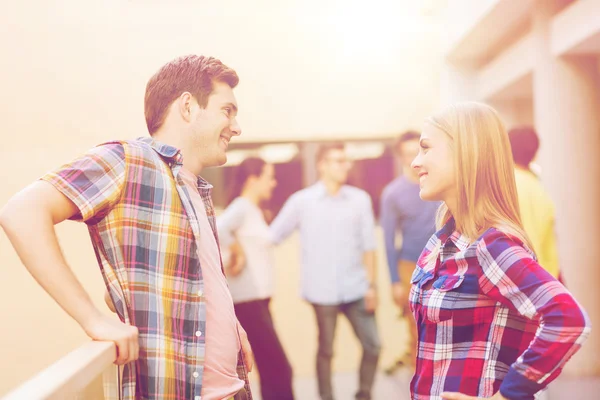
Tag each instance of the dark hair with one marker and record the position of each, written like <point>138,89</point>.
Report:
<point>524,143</point>
<point>405,137</point>
<point>194,74</point>
<point>251,166</point>
<point>324,150</point>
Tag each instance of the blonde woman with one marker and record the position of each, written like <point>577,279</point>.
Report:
<point>492,323</point>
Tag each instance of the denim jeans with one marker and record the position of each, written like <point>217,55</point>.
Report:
<point>364,326</point>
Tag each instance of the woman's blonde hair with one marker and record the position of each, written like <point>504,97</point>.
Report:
<point>484,170</point>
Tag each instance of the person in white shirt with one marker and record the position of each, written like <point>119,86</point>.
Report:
<point>250,272</point>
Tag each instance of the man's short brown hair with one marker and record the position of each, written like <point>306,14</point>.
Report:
<point>405,137</point>
<point>524,143</point>
<point>324,150</point>
<point>194,74</point>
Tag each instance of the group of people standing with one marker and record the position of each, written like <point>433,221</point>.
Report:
<point>488,321</point>
<point>337,235</point>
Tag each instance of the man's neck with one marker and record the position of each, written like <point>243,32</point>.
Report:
<point>173,138</point>
<point>332,187</point>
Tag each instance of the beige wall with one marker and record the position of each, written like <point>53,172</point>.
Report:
<point>74,75</point>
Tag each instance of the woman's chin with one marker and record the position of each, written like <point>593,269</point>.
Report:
<point>426,195</point>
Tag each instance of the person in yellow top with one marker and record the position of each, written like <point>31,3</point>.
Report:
<point>537,208</point>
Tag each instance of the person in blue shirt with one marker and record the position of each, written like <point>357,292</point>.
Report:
<point>405,216</point>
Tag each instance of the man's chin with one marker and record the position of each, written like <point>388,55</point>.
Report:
<point>215,162</point>
<point>221,159</point>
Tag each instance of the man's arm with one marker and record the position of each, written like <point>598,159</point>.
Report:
<point>287,220</point>
<point>28,220</point>
<point>370,263</point>
<point>369,244</point>
<point>388,220</point>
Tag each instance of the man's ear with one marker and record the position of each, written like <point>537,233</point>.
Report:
<point>184,105</point>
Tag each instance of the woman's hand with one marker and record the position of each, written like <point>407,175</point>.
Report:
<point>460,396</point>
<point>237,261</point>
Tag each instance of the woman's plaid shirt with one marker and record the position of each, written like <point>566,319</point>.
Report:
<point>489,318</point>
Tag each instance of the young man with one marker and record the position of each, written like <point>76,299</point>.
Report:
<point>338,261</point>
<point>536,206</point>
<point>403,211</point>
<point>152,225</point>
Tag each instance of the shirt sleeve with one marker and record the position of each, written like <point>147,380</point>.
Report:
<point>369,241</point>
<point>94,182</point>
<point>230,221</point>
<point>287,220</point>
<point>388,221</point>
<point>512,277</point>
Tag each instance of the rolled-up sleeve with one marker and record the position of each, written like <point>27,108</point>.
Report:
<point>512,277</point>
<point>94,182</point>
<point>287,220</point>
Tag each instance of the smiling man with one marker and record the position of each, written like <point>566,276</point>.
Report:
<point>152,225</point>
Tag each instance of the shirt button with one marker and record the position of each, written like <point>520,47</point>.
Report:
<point>195,374</point>
<point>198,333</point>
<point>200,293</point>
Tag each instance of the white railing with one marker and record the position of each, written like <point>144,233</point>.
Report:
<point>69,377</point>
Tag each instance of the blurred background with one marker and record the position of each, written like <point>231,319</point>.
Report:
<point>73,75</point>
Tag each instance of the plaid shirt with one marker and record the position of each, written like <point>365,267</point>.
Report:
<point>489,318</point>
<point>143,229</point>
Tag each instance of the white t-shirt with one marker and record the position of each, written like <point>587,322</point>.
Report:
<point>244,221</point>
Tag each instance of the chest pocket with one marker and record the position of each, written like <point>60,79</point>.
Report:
<point>456,298</point>
<point>435,302</point>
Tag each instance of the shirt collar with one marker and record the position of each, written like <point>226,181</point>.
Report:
<point>322,192</point>
<point>173,154</point>
<point>165,150</point>
<point>449,233</point>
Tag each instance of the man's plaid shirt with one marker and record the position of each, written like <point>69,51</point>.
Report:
<point>143,231</point>
<point>489,318</point>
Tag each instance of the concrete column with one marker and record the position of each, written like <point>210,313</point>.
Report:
<point>514,112</point>
<point>308,153</point>
<point>566,114</point>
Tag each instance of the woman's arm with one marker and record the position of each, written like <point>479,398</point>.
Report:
<point>512,277</point>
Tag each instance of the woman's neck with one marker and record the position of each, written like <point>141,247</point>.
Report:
<point>252,197</point>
